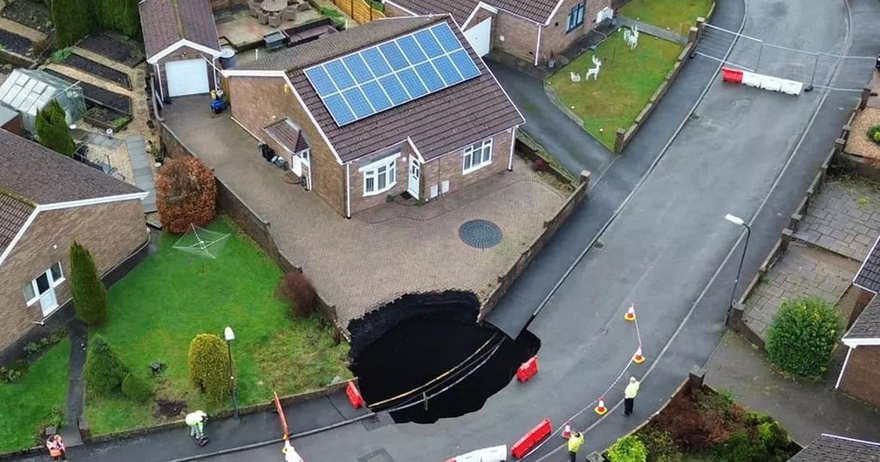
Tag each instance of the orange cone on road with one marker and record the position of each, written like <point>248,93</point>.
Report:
<point>566,431</point>
<point>630,313</point>
<point>638,358</point>
<point>600,408</point>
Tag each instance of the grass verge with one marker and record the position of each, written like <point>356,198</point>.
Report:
<point>171,297</point>
<point>627,80</point>
<point>675,15</point>
<point>35,401</point>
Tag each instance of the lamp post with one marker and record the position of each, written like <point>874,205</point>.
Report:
<point>738,221</point>
<point>230,336</point>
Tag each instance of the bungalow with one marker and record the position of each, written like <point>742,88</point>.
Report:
<point>46,202</point>
<point>180,39</point>
<point>830,448</point>
<point>532,30</point>
<point>398,106</point>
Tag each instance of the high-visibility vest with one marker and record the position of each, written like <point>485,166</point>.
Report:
<point>631,390</point>
<point>575,443</point>
<point>54,448</point>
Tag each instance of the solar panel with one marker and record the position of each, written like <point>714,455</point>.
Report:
<point>392,73</point>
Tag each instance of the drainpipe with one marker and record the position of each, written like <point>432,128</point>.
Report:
<point>538,45</point>
<point>159,77</point>
<point>512,143</point>
<point>347,190</point>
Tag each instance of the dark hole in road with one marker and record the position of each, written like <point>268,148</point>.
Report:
<point>423,346</point>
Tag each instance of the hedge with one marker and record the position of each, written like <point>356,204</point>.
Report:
<point>89,293</point>
<point>105,370</point>
<point>186,194</point>
<point>209,366</point>
<point>52,129</point>
<point>802,336</point>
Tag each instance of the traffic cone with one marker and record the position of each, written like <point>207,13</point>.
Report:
<point>630,313</point>
<point>638,358</point>
<point>566,431</point>
<point>601,409</point>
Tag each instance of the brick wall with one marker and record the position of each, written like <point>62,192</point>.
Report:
<point>218,5</point>
<point>14,125</point>
<point>449,167</point>
<point>394,11</point>
<point>862,379</point>
<point>555,38</point>
<point>515,36</point>
<point>358,200</point>
<point>111,232</point>
<point>260,101</point>
<point>181,54</point>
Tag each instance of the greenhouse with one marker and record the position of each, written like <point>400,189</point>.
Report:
<point>28,91</point>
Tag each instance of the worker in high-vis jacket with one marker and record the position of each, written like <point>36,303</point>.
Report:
<point>196,423</point>
<point>575,441</point>
<point>57,450</point>
<point>629,395</point>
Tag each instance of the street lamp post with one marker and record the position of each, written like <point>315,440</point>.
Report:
<point>230,336</point>
<point>738,221</point>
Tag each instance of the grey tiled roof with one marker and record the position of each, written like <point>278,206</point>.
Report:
<point>287,134</point>
<point>13,214</point>
<point>868,323</point>
<point>34,173</point>
<point>165,22</point>
<point>869,275</point>
<point>829,448</point>
<point>438,123</point>
<point>536,10</point>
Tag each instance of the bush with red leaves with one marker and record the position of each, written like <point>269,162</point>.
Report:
<point>299,291</point>
<point>185,194</point>
<point>691,428</point>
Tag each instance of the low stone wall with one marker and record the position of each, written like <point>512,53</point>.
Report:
<point>853,164</point>
<point>256,227</point>
<point>550,227</point>
<point>530,150</point>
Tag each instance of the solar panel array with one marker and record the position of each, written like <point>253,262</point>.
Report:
<point>392,73</point>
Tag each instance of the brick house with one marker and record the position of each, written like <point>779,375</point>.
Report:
<point>46,202</point>
<point>532,30</point>
<point>831,448</point>
<point>180,39</point>
<point>398,106</point>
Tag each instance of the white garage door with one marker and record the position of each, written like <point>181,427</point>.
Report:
<point>189,77</point>
<point>479,36</point>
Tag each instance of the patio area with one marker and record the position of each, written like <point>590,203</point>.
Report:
<point>362,263</point>
<point>242,28</point>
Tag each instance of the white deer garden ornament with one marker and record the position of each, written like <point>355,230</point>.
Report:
<point>575,77</point>
<point>594,71</point>
<point>631,37</point>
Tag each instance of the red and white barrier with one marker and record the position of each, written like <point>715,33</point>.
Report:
<point>764,82</point>
<point>493,454</point>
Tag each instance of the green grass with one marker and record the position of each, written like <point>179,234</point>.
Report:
<point>627,80</point>
<point>676,15</point>
<point>27,404</point>
<point>171,297</point>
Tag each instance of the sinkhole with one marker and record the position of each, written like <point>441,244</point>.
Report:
<point>417,340</point>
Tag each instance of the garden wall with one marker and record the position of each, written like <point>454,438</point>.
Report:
<point>255,226</point>
<point>853,164</point>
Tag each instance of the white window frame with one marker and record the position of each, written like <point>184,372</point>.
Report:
<point>576,17</point>
<point>371,171</point>
<point>482,147</point>
<point>53,283</point>
<point>305,155</point>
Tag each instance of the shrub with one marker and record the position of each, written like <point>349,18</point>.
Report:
<point>89,293</point>
<point>119,15</point>
<point>73,20</point>
<point>136,388</point>
<point>297,289</point>
<point>767,442</point>
<point>628,449</point>
<point>209,366</point>
<point>185,194</point>
<point>802,336</point>
<point>874,134</point>
<point>661,447</point>
<point>52,129</point>
<point>105,370</point>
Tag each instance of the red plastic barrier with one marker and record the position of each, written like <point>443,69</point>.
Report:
<point>732,75</point>
<point>531,439</point>
<point>527,369</point>
<point>354,396</point>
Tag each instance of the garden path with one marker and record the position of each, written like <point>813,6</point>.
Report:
<point>79,336</point>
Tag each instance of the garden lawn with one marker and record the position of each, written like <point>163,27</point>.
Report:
<point>28,404</point>
<point>627,80</point>
<point>172,296</point>
<point>676,15</point>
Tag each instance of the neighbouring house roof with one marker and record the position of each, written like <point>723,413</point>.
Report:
<point>167,22</point>
<point>867,325</point>
<point>438,123</point>
<point>14,214</point>
<point>830,448</point>
<point>538,11</point>
<point>868,276</point>
<point>288,134</point>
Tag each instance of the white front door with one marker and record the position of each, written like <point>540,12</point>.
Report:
<point>188,77</point>
<point>415,172</point>
<point>46,289</point>
<point>479,36</point>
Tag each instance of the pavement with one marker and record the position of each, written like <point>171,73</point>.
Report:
<point>806,409</point>
<point>667,249</point>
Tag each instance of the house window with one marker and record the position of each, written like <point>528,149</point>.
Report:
<point>304,156</point>
<point>575,17</point>
<point>380,176</point>
<point>43,283</point>
<point>477,156</point>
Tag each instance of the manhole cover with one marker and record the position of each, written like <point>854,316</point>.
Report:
<point>480,234</point>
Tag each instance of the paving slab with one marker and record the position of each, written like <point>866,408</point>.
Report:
<point>143,174</point>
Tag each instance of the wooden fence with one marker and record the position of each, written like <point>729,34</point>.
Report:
<point>359,10</point>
